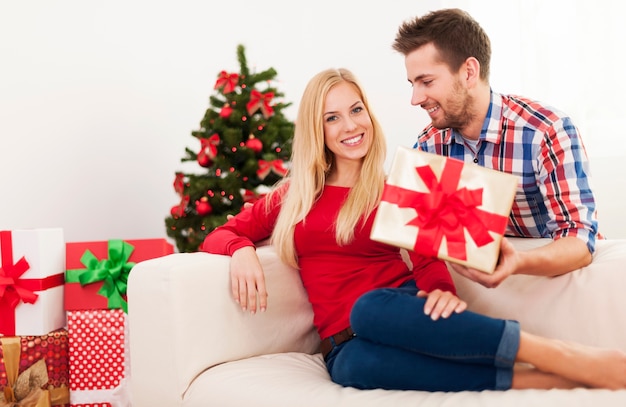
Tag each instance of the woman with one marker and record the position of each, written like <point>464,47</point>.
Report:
<point>378,329</point>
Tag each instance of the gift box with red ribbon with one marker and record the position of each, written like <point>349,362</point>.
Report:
<point>96,280</point>
<point>442,207</point>
<point>34,369</point>
<point>31,281</point>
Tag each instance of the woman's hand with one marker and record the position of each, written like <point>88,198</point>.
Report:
<point>248,280</point>
<point>441,303</point>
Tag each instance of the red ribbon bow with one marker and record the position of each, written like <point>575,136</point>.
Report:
<point>178,211</point>
<point>261,101</point>
<point>179,183</point>
<point>208,146</point>
<point>265,167</point>
<point>12,288</point>
<point>226,81</point>
<point>446,211</point>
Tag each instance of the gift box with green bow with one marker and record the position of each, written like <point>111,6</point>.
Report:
<point>97,272</point>
<point>95,300</point>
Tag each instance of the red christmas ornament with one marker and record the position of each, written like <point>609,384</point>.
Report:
<point>176,211</point>
<point>204,160</point>
<point>254,144</point>
<point>203,207</point>
<point>226,111</point>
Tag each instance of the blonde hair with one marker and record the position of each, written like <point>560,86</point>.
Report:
<point>311,161</point>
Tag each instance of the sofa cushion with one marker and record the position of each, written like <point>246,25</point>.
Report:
<point>297,379</point>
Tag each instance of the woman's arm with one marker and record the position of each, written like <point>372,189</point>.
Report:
<point>236,238</point>
<point>251,225</point>
<point>431,273</point>
<point>436,285</point>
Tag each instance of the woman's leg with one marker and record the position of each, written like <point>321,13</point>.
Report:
<point>529,377</point>
<point>393,320</point>
<point>363,364</point>
<point>396,340</point>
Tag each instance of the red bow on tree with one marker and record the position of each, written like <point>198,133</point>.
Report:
<point>446,211</point>
<point>208,146</point>
<point>179,183</point>
<point>265,167</point>
<point>227,81</point>
<point>261,101</point>
<point>178,211</point>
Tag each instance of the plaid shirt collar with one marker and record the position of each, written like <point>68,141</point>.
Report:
<point>492,125</point>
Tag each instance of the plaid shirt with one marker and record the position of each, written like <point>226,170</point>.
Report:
<point>543,148</point>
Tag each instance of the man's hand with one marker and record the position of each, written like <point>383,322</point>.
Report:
<point>508,263</point>
<point>441,304</point>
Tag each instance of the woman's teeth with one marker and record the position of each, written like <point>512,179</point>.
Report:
<point>353,140</point>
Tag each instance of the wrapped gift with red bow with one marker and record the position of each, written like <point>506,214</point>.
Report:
<point>31,281</point>
<point>442,207</point>
<point>96,280</point>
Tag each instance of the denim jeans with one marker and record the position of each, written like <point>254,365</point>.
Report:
<point>398,347</point>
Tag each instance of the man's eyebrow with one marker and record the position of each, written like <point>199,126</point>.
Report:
<point>418,77</point>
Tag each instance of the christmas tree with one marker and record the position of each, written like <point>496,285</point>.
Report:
<point>242,148</point>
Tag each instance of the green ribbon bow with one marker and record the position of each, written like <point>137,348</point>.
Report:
<point>113,272</point>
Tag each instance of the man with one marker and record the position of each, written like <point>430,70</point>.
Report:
<point>447,57</point>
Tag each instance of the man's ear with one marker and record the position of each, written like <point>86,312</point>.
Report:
<point>472,71</point>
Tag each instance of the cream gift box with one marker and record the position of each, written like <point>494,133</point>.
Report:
<point>442,207</point>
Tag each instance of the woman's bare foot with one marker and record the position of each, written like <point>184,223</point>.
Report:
<point>589,366</point>
<point>528,377</point>
<point>597,367</point>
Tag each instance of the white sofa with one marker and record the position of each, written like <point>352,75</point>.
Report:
<point>191,345</point>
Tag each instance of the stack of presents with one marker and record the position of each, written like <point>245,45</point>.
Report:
<point>63,318</point>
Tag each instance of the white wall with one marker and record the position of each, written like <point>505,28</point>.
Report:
<point>98,98</point>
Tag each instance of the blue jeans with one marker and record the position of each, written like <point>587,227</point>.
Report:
<point>398,347</point>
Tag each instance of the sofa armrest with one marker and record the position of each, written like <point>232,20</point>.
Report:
<point>183,320</point>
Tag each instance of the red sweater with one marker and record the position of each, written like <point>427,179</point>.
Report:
<point>334,276</point>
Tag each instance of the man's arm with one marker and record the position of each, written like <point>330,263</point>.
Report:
<point>556,258</point>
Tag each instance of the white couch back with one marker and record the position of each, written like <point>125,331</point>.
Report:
<point>609,183</point>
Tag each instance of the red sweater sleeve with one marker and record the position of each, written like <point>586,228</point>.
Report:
<point>431,273</point>
<point>248,227</point>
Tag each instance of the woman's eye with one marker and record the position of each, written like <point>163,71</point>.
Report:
<point>331,118</point>
<point>357,109</point>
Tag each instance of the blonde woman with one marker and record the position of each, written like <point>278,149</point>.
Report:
<point>382,324</point>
